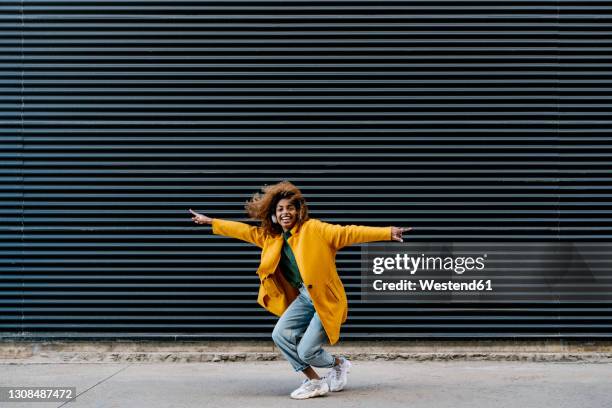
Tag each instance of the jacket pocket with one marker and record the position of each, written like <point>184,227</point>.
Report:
<point>331,289</point>
<point>270,286</point>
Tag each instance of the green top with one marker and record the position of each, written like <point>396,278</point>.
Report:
<point>288,264</point>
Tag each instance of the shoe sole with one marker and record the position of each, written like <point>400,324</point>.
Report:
<point>317,394</point>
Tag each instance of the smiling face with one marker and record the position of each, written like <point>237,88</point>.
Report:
<point>286,214</point>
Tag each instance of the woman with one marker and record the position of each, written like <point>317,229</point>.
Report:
<point>299,281</point>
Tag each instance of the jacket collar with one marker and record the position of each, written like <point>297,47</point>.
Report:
<point>294,230</point>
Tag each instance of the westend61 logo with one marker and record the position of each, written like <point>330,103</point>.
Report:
<point>412,264</point>
<point>487,272</point>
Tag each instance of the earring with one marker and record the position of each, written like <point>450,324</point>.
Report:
<point>274,221</point>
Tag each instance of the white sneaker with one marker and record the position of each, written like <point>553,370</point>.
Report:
<point>310,389</point>
<point>337,377</point>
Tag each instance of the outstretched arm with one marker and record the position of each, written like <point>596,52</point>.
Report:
<point>234,229</point>
<point>339,236</point>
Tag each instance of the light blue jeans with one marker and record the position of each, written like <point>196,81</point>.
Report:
<point>301,320</point>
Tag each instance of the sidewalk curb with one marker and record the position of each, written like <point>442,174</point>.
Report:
<point>27,352</point>
<point>242,357</point>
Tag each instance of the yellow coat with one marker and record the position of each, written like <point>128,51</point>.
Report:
<point>314,245</point>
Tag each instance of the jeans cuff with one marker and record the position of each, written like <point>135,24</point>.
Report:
<point>302,368</point>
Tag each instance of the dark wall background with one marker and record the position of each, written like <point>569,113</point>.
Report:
<point>468,120</point>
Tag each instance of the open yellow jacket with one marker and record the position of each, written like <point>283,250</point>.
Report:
<point>314,245</point>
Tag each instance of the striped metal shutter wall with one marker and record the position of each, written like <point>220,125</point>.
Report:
<point>464,119</point>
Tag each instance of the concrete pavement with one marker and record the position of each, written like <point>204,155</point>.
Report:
<point>379,384</point>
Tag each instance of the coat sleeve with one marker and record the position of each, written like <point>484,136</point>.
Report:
<point>339,236</point>
<point>239,230</point>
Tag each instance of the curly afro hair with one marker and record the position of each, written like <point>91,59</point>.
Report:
<point>262,205</point>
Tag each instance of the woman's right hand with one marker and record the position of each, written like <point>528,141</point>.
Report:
<point>200,218</point>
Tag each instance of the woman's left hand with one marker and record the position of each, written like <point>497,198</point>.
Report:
<point>396,233</point>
